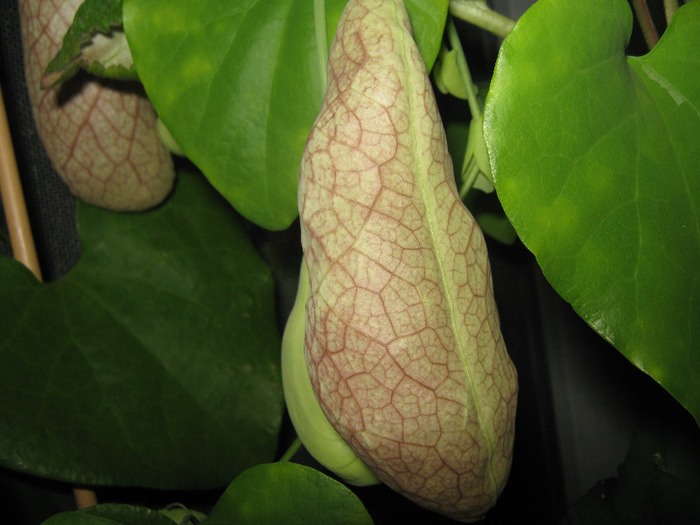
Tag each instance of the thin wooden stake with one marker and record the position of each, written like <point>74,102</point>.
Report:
<point>21,239</point>
<point>84,498</point>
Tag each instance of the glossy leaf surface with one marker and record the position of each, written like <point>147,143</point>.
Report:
<point>239,84</point>
<point>153,362</point>
<point>287,494</point>
<point>596,160</point>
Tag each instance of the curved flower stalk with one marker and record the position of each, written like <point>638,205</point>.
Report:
<point>403,342</point>
<point>102,141</point>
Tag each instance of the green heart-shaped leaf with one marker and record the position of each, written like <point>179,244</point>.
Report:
<point>153,362</point>
<point>596,160</point>
<point>287,494</point>
<point>239,85</point>
<point>110,514</point>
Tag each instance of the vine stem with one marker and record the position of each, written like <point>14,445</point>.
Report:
<point>456,45</point>
<point>471,169</point>
<point>651,36</point>
<point>670,7</point>
<point>472,172</point>
<point>478,13</point>
<point>290,451</point>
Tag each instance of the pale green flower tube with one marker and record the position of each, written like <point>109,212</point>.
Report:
<point>313,428</point>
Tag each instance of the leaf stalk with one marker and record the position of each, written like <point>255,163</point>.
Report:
<point>290,451</point>
<point>651,35</point>
<point>670,8</point>
<point>464,72</point>
<point>476,12</point>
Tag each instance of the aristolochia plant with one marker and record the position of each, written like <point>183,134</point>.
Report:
<point>155,361</point>
<point>403,341</point>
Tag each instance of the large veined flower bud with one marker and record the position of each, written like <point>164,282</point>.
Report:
<point>403,342</point>
<point>102,141</point>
